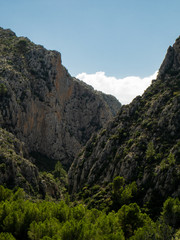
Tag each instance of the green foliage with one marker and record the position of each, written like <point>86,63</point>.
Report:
<point>128,193</point>
<point>96,197</point>
<point>130,142</point>
<point>118,182</point>
<point>176,93</point>
<point>150,152</point>
<point>166,163</point>
<point>131,218</point>
<point>59,172</point>
<point>6,236</point>
<point>122,194</point>
<point>48,228</point>
<point>163,164</point>
<point>171,212</point>
<point>108,227</point>
<point>22,219</point>
<point>72,230</point>
<point>5,194</point>
<point>22,45</point>
<point>103,131</point>
<point>19,194</point>
<point>176,235</point>
<point>114,137</point>
<point>171,159</point>
<point>3,89</point>
<point>78,212</point>
<point>152,230</point>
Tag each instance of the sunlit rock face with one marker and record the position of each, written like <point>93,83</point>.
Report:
<point>52,112</point>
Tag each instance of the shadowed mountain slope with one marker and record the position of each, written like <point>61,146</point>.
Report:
<point>142,143</point>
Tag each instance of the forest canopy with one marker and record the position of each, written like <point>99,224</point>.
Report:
<point>22,218</point>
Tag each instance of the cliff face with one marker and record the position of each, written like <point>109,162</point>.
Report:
<point>141,143</point>
<point>53,113</point>
<point>16,170</point>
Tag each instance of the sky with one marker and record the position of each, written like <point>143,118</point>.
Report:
<point>117,46</point>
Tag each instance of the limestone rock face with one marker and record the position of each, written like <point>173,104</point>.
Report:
<point>141,143</point>
<point>16,170</point>
<point>52,112</point>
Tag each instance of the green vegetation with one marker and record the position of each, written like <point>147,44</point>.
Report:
<point>122,194</point>
<point>3,89</point>
<point>110,197</point>
<point>150,152</point>
<point>22,45</point>
<point>142,143</point>
<point>23,219</point>
<point>166,163</point>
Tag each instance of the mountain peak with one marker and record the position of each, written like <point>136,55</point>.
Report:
<point>6,33</point>
<point>41,104</point>
<point>139,143</point>
<point>171,63</point>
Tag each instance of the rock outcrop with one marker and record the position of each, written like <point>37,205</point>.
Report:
<point>142,143</point>
<point>16,170</point>
<point>53,113</point>
<point>171,63</point>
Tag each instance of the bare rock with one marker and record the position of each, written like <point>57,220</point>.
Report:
<point>53,113</point>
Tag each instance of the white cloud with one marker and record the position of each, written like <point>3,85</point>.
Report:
<point>124,89</point>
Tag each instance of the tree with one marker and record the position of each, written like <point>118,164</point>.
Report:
<point>177,235</point>
<point>128,193</point>
<point>131,218</point>
<point>118,182</point>
<point>122,194</point>
<point>49,228</point>
<point>171,212</point>
<point>72,230</point>
<point>151,230</point>
<point>6,236</point>
<point>171,159</point>
<point>5,193</point>
<point>150,152</point>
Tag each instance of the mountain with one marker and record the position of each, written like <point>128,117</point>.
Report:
<point>124,172</point>
<point>141,144</point>
<point>53,113</point>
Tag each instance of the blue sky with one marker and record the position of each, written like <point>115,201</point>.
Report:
<point>118,37</point>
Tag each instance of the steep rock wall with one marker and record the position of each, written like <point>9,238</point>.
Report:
<point>53,113</point>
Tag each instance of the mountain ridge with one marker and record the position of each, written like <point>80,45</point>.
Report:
<point>53,113</point>
<point>125,181</point>
<point>141,143</point>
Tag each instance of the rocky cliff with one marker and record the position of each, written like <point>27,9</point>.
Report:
<point>142,143</point>
<point>16,170</point>
<point>53,113</point>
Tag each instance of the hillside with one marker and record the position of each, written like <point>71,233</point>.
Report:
<point>141,144</point>
<point>17,170</point>
<point>53,113</point>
